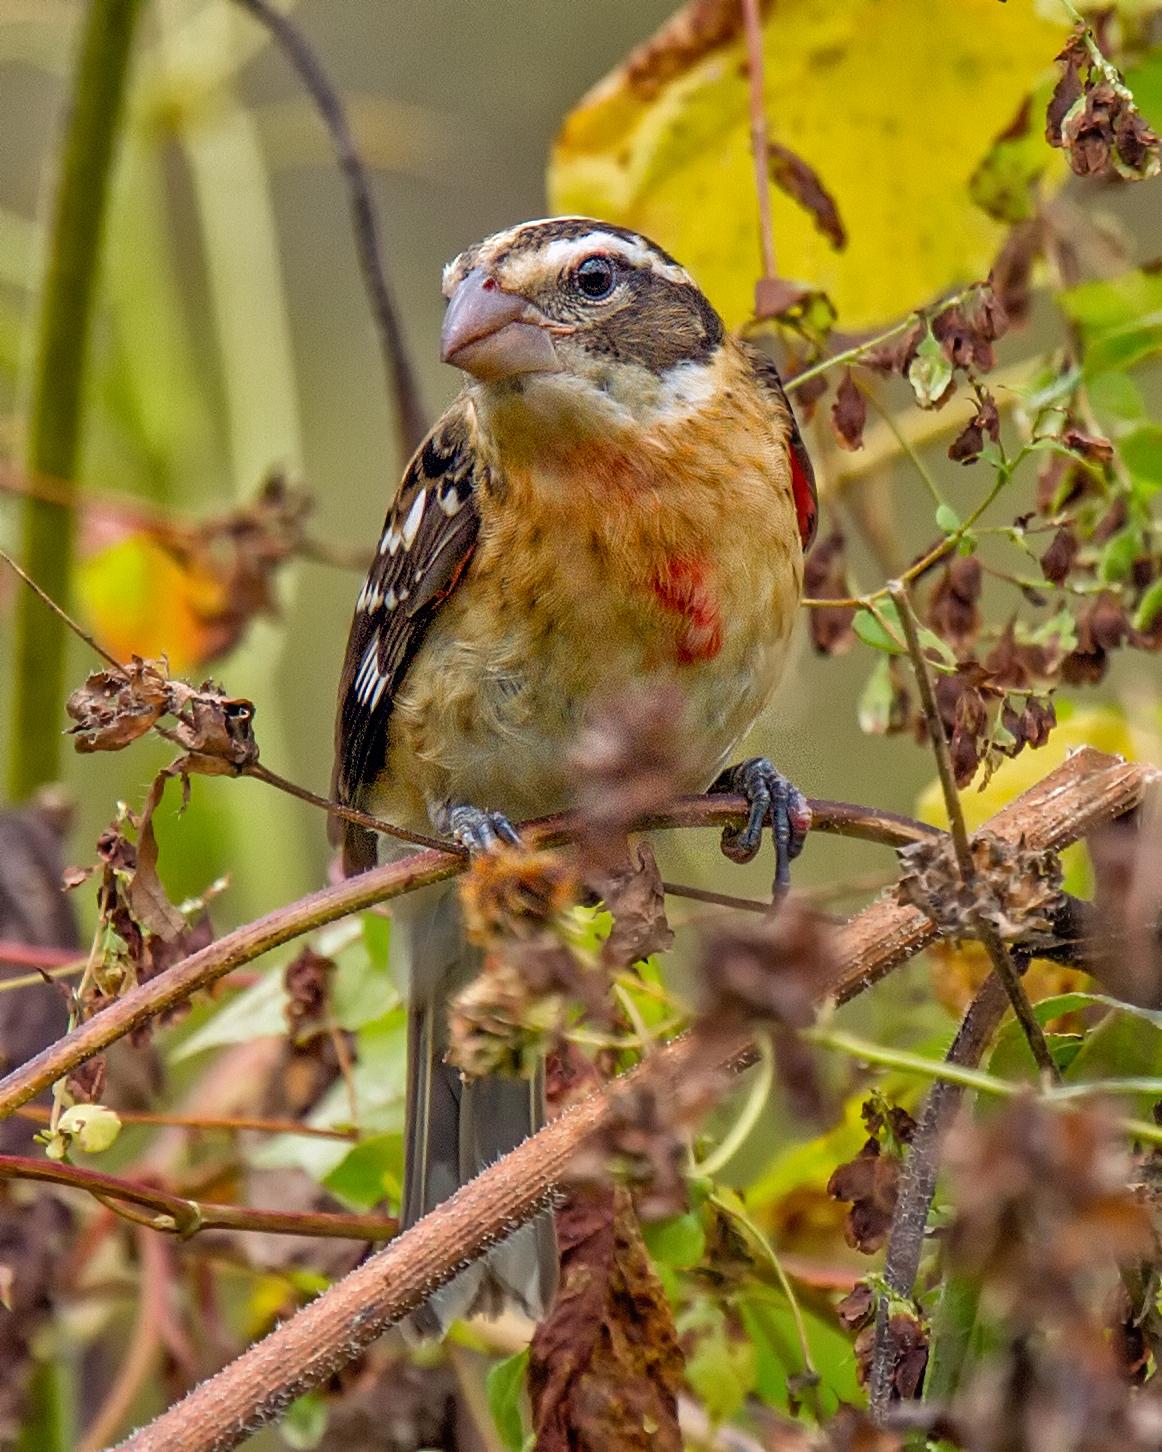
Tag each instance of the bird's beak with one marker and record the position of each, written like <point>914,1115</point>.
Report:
<point>495,334</point>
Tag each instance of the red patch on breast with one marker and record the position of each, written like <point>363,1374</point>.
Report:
<point>681,585</point>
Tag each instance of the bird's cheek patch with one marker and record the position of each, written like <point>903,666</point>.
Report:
<point>681,585</point>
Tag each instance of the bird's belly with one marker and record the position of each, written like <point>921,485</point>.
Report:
<point>492,718</point>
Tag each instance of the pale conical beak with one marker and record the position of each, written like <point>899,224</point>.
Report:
<point>495,334</point>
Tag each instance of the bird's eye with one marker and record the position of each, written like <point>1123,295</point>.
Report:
<point>595,277</point>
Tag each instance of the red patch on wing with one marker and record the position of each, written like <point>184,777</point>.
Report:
<point>803,488</point>
<point>680,585</point>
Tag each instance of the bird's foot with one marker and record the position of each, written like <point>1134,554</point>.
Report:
<point>772,799</point>
<point>477,830</point>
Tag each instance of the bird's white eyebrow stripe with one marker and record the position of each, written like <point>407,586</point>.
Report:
<point>563,252</point>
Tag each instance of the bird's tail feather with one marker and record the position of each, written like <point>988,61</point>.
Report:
<point>454,1130</point>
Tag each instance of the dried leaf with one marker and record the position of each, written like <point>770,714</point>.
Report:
<point>114,708</point>
<point>605,1366</point>
<point>825,577</point>
<point>791,174</point>
<point>635,897</point>
<point>849,413</point>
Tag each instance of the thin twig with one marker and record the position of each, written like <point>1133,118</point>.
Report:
<point>411,421</point>
<point>718,899</point>
<point>1089,788</point>
<point>61,613</point>
<point>231,1123</point>
<point>177,1215</point>
<point>260,772</point>
<point>984,930</point>
<point>959,833</point>
<point>944,1071</point>
<point>760,149</point>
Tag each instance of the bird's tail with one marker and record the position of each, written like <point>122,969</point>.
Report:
<point>454,1130</point>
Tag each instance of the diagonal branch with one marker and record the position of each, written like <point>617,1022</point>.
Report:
<point>1090,788</point>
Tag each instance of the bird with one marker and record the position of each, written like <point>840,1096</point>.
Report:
<point>618,497</point>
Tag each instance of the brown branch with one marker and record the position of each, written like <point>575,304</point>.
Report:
<point>179,1216</point>
<point>379,885</point>
<point>233,1123</point>
<point>1087,790</point>
<point>411,422</point>
<point>985,931</point>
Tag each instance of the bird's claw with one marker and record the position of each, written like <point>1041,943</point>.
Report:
<point>478,830</point>
<point>772,799</point>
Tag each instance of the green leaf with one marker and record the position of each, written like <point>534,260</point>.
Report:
<point>305,1423</point>
<point>770,1324</point>
<point>953,1322</point>
<point>1013,1059</point>
<point>875,700</point>
<point>505,1385</point>
<point>1141,452</point>
<point>872,633</point>
<point>370,1173</point>
<point>1119,554</point>
<point>679,1242</point>
<point>947,519</point>
<point>361,989</point>
<point>1003,184</point>
<point>889,635</point>
<point>257,1012</point>
<point>376,931</point>
<point>929,372</point>
<point>720,1366</point>
<point>1116,399</point>
<point>1121,319</point>
<point>1149,607</point>
<point>1123,1045</point>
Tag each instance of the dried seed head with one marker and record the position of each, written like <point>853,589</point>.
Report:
<point>1013,887</point>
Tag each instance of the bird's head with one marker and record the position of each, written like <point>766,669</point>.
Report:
<point>580,314</point>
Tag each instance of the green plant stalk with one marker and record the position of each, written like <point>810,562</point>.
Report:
<point>57,405</point>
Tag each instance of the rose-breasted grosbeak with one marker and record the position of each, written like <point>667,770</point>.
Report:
<point>619,495</point>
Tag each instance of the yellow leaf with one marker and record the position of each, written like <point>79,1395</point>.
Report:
<point>1101,727</point>
<point>894,103</point>
<point>140,599</point>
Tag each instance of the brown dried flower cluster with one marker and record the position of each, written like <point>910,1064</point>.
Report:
<point>1012,887</point>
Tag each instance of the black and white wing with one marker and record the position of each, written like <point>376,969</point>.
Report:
<point>428,540</point>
